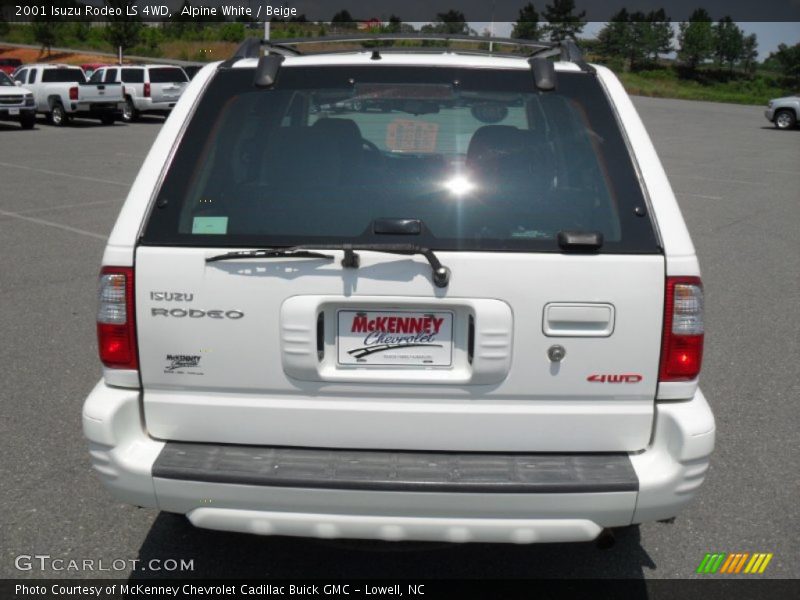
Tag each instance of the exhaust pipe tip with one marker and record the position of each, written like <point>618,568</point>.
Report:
<point>605,540</point>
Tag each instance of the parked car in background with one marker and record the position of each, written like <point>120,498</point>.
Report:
<point>61,92</point>
<point>434,323</point>
<point>784,113</point>
<point>192,70</point>
<point>148,89</point>
<point>9,65</point>
<point>90,68</point>
<point>16,103</point>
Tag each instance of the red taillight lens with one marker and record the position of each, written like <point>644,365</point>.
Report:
<point>116,328</point>
<point>682,338</point>
<point>73,93</point>
<point>146,90</point>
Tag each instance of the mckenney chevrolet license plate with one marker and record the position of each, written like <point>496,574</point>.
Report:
<point>395,337</point>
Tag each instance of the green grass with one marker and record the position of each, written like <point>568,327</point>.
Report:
<point>709,86</point>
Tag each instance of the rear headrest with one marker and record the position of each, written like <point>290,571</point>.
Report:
<point>344,128</point>
<point>500,155</point>
<point>492,143</point>
<point>293,153</point>
<point>343,132</point>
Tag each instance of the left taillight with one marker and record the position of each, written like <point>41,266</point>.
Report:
<point>116,327</point>
<point>73,93</point>
<point>684,330</point>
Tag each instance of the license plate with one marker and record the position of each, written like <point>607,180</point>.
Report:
<point>395,338</point>
<point>13,111</point>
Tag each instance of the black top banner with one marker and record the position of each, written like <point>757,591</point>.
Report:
<point>409,11</point>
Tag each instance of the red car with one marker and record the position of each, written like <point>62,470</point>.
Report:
<point>9,65</point>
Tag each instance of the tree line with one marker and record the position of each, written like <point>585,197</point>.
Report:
<point>636,40</point>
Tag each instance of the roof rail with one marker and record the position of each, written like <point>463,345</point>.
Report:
<point>252,47</point>
<point>432,37</point>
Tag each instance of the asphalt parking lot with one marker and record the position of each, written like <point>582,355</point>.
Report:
<point>737,180</point>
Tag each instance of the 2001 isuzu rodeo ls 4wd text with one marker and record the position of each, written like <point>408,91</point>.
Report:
<point>468,312</point>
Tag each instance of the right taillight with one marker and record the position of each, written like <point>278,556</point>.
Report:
<point>146,90</point>
<point>682,338</point>
<point>116,329</point>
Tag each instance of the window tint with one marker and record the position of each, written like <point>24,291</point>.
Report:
<point>482,158</point>
<point>111,76</point>
<point>167,75</point>
<point>63,76</point>
<point>21,75</point>
<point>97,76</point>
<point>32,76</point>
<point>133,75</point>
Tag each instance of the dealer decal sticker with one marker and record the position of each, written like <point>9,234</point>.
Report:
<point>389,338</point>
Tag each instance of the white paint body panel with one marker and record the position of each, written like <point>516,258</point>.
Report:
<point>251,389</point>
<point>247,389</point>
<point>670,471</point>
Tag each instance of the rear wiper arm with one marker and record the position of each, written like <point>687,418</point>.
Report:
<point>441,274</point>
<point>269,253</point>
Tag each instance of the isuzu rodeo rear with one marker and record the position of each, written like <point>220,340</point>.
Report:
<point>402,296</point>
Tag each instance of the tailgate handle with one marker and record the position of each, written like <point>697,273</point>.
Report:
<point>578,319</point>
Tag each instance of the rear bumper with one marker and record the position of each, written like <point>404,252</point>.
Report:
<point>668,474</point>
<point>145,105</point>
<point>94,108</point>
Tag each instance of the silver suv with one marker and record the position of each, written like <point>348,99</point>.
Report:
<point>784,113</point>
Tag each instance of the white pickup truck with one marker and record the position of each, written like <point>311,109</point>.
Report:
<point>150,89</point>
<point>16,104</point>
<point>62,92</point>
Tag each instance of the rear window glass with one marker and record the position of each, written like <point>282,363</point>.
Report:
<point>133,75</point>
<point>63,76</point>
<point>484,159</point>
<point>167,76</point>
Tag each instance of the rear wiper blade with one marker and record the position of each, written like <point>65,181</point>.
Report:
<point>269,253</point>
<point>441,274</point>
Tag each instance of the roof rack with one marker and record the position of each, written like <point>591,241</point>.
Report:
<point>252,47</point>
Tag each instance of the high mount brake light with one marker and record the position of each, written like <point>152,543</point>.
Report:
<point>682,338</point>
<point>116,330</point>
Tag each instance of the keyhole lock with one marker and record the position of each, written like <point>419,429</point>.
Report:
<point>556,353</point>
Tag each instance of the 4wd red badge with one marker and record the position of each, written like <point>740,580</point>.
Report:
<point>615,378</point>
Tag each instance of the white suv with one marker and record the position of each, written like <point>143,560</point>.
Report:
<point>148,89</point>
<point>472,315</point>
